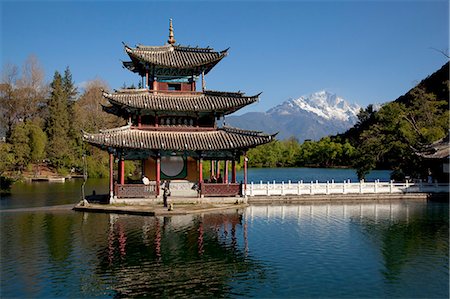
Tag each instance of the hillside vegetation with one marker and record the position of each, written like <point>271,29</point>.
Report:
<point>386,139</point>
<point>43,123</point>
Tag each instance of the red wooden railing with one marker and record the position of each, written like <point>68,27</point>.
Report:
<point>218,189</point>
<point>134,190</point>
<point>147,191</point>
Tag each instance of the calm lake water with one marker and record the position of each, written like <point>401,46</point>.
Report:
<point>347,250</point>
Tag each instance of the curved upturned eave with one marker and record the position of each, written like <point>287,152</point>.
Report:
<point>221,139</point>
<point>138,55</point>
<point>225,103</point>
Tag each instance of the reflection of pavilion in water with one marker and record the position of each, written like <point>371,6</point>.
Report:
<point>392,210</point>
<point>167,256</point>
<point>153,229</point>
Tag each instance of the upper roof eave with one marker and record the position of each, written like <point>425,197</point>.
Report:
<point>170,56</point>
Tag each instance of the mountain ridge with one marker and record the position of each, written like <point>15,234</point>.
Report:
<point>310,116</point>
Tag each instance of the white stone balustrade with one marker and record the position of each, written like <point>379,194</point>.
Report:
<point>377,187</point>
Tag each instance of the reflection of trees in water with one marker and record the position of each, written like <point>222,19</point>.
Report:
<point>176,256</point>
<point>405,239</point>
<point>32,242</point>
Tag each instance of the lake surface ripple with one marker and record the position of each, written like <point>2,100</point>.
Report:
<point>389,249</point>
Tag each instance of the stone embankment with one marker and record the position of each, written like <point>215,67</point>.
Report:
<point>183,206</point>
<point>157,210</point>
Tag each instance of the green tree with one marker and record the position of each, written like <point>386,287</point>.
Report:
<point>69,87</point>
<point>398,131</point>
<point>70,91</point>
<point>20,146</point>
<point>37,141</point>
<point>267,155</point>
<point>379,144</point>
<point>289,152</point>
<point>6,158</point>
<point>57,125</point>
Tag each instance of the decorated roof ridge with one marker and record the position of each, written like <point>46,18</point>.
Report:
<point>229,93</point>
<point>178,94</point>
<point>87,135</point>
<point>164,48</point>
<point>118,129</point>
<point>170,48</point>
<point>128,90</point>
<point>247,132</point>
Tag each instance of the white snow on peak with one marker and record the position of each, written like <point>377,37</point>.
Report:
<point>322,103</point>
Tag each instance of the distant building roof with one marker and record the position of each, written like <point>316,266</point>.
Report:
<point>437,150</point>
<point>208,101</point>
<point>212,140</point>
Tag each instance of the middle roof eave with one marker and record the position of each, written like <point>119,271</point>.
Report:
<point>178,101</point>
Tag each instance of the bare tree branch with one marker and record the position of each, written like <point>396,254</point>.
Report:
<point>445,53</point>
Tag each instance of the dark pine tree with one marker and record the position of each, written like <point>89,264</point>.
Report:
<point>71,92</point>
<point>57,125</point>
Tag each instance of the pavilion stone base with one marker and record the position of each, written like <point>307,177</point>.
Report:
<point>179,200</point>
<point>183,188</point>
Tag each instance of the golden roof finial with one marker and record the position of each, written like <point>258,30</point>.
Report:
<point>171,39</point>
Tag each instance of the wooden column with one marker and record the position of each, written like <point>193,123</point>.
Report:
<point>245,173</point>
<point>233,171</point>
<point>111,175</point>
<point>139,121</point>
<point>146,79</point>
<point>225,172</point>
<point>158,173</point>
<point>155,84</point>
<point>156,121</point>
<point>217,168</point>
<point>122,171</point>
<point>118,172</point>
<point>200,177</point>
<point>212,168</point>
<point>200,170</point>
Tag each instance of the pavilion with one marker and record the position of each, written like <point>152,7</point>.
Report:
<point>172,128</point>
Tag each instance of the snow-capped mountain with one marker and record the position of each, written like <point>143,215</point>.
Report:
<point>307,117</point>
<point>322,103</point>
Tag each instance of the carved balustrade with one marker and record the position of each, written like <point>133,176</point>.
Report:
<point>219,189</point>
<point>135,190</point>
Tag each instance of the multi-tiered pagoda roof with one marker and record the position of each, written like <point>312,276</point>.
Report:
<point>170,119</point>
<point>175,62</point>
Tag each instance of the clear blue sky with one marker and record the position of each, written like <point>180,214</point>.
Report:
<point>365,51</point>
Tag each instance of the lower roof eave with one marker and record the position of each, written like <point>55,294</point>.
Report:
<point>224,142</point>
